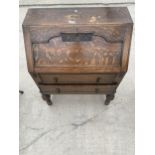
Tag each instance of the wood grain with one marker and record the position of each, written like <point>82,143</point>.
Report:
<point>97,52</point>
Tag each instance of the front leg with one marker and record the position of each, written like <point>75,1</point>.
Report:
<point>46,97</point>
<point>109,97</point>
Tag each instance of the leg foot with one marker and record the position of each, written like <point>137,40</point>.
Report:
<point>21,92</point>
<point>109,97</point>
<point>46,97</point>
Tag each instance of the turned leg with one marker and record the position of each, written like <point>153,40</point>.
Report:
<point>46,97</point>
<point>109,97</point>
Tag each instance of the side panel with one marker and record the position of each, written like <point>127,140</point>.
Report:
<point>126,48</point>
<point>28,49</point>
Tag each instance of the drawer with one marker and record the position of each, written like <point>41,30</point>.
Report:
<point>81,89</point>
<point>77,78</point>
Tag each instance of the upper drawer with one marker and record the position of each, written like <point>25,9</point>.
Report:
<point>77,78</point>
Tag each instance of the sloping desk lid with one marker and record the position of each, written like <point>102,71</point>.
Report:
<point>94,55</point>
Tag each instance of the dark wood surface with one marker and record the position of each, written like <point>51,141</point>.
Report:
<point>78,16</point>
<point>77,50</point>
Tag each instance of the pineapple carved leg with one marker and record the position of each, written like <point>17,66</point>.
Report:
<point>46,97</point>
<point>109,97</point>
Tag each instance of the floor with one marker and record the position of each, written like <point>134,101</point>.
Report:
<point>76,124</point>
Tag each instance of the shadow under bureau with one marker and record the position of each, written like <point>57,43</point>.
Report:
<point>77,50</point>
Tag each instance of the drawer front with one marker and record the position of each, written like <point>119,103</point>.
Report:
<point>77,89</point>
<point>77,79</point>
<point>77,47</point>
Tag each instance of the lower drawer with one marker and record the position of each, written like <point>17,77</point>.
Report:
<point>77,89</point>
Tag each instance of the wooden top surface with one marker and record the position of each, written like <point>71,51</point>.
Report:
<point>77,16</point>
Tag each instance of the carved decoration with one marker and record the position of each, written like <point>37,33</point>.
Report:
<point>97,52</point>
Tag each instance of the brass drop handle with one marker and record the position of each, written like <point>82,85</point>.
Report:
<point>98,79</point>
<point>97,90</point>
<point>55,79</point>
<point>58,90</point>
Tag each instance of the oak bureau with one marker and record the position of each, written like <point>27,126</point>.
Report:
<point>77,50</point>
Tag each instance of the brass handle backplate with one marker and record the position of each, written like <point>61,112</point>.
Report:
<point>55,79</point>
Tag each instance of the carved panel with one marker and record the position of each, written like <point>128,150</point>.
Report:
<point>97,52</point>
